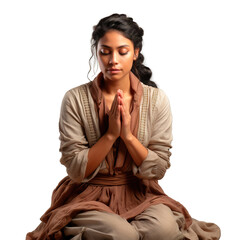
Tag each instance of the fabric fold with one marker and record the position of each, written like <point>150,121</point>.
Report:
<point>116,190</point>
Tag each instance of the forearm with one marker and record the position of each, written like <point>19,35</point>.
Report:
<point>98,152</point>
<point>137,151</point>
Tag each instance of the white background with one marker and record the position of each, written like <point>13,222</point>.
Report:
<point>193,50</point>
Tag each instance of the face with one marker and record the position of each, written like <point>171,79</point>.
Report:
<point>115,54</point>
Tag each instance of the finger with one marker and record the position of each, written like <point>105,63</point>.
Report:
<point>122,110</point>
<point>120,100</point>
<point>120,93</point>
<point>124,104</point>
<point>114,104</point>
<point>123,115</point>
<point>116,111</point>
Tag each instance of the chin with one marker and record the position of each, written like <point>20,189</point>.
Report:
<point>113,77</point>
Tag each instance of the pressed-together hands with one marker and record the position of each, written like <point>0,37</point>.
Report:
<point>119,118</point>
<point>119,126</point>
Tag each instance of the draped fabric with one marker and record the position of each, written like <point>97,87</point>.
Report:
<point>116,190</point>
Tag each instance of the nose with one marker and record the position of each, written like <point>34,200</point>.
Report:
<point>113,58</point>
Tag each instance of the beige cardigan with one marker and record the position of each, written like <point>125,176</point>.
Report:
<point>79,130</point>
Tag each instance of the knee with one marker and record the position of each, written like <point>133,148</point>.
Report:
<point>120,228</point>
<point>165,231</point>
<point>158,222</point>
<point>126,232</point>
<point>130,234</point>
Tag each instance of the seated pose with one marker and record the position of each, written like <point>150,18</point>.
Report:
<point>115,134</point>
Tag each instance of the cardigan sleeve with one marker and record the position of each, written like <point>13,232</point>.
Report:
<point>159,145</point>
<point>74,145</point>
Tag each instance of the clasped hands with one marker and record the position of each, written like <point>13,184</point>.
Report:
<point>119,118</point>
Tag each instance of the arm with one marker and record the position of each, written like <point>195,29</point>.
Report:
<point>98,152</point>
<point>137,151</point>
<point>74,145</point>
<point>157,161</point>
<point>82,162</point>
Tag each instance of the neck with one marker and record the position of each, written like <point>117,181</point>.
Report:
<point>111,86</point>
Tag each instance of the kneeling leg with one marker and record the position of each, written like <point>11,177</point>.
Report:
<point>92,225</point>
<point>157,223</point>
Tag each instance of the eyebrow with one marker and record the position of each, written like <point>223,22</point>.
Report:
<point>106,46</point>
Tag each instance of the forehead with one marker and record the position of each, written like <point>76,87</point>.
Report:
<point>114,38</point>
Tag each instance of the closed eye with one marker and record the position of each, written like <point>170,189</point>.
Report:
<point>123,53</point>
<point>122,50</point>
<point>105,51</point>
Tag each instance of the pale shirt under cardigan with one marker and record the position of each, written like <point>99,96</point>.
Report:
<point>154,132</point>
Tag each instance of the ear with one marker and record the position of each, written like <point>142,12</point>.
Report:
<point>136,52</point>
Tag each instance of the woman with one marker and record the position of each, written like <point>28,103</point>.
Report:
<point>115,134</point>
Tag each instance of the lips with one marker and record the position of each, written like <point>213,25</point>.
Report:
<point>113,70</point>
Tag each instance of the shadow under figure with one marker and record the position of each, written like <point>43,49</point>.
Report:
<point>116,134</point>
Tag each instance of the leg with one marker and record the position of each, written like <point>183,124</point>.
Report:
<point>92,225</point>
<point>157,223</point>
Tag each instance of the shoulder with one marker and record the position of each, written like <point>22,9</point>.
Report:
<point>76,94</point>
<point>76,91</point>
<point>156,96</point>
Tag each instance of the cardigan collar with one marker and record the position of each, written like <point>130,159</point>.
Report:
<point>135,85</point>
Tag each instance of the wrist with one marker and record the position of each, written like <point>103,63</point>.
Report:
<point>110,137</point>
<point>128,139</point>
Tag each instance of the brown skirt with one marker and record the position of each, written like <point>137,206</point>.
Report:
<point>125,195</point>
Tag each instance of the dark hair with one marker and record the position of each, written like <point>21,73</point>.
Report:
<point>130,30</point>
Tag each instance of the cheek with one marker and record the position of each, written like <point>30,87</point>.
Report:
<point>129,61</point>
<point>101,61</point>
